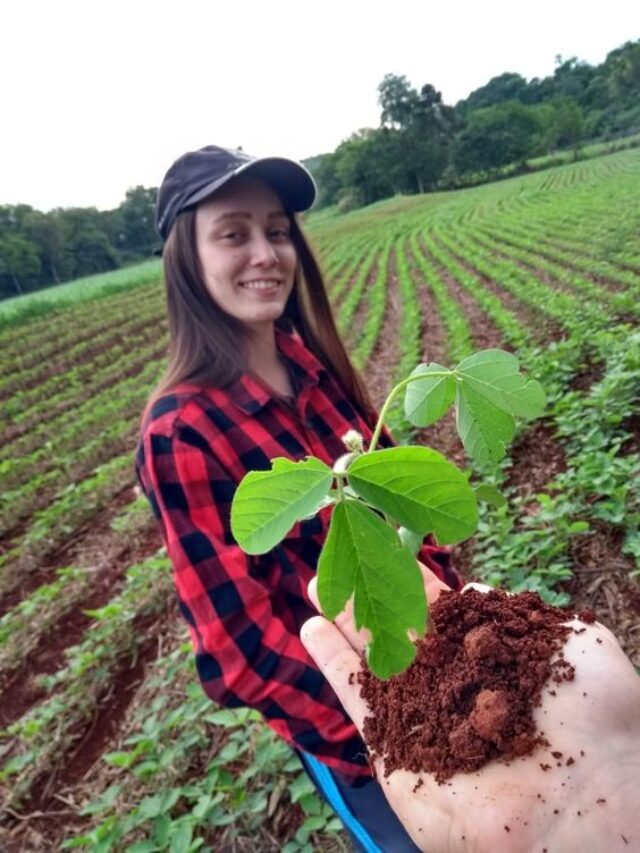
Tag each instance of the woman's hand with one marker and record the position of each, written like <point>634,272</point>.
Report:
<point>592,804</point>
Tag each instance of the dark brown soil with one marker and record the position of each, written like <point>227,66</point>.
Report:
<point>632,426</point>
<point>484,332</point>
<point>537,457</point>
<point>601,581</point>
<point>469,696</point>
<point>87,545</point>
<point>590,373</point>
<point>107,555</point>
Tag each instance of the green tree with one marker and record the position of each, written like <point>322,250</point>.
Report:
<point>361,168</point>
<point>499,135</point>
<point>45,231</point>
<point>623,66</point>
<point>19,264</point>
<point>420,127</point>
<point>398,101</point>
<point>87,249</point>
<point>568,124</point>
<point>137,211</point>
<point>504,87</point>
<point>325,171</point>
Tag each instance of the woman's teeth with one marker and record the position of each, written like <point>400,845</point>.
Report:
<point>260,285</point>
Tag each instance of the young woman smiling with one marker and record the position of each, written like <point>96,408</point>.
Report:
<point>256,370</point>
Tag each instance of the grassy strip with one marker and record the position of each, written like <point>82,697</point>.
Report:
<point>20,309</point>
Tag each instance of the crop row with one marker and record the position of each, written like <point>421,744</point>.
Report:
<point>51,526</point>
<point>37,743</point>
<point>64,391</point>
<point>64,328</point>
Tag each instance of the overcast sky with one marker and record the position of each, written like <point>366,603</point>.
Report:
<point>101,96</point>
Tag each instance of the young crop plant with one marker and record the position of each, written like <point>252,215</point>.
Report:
<point>386,501</point>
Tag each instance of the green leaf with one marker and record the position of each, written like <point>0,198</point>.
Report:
<point>363,556</point>
<point>181,835</point>
<point>104,802</point>
<point>314,823</point>
<point>578,527</point>
<point>300,787</point>
<point>419,489</point>
<point>427,400</point>
<point>484,429</point>
<point>267,504</point>
<point>412,541</point>
<point>489,494</point>
<point>493,373</point>
<point>489,395</point>
<point>119,759</point>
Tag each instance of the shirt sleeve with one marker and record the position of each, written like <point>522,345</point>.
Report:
<point>245,656</point>
<point>438,559</point>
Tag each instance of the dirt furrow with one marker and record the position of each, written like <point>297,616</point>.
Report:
<point>442,436</point>
<point>536,321</point>
<point>610,284</point>
<point>484,331</point>
<point>379,372</point>
<point>107,558</point>
<point>602,582</point>
<point>87,545</point>
<point>360,316</point>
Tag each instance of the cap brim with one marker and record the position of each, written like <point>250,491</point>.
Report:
<point>293,183</point>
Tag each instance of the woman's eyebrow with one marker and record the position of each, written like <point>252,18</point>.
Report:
<point>245,214</point>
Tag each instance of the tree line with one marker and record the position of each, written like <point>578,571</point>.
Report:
<point>421,145</point>
<point>40,249</point>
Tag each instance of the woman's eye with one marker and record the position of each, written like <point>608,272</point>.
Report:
<point>280,233</point>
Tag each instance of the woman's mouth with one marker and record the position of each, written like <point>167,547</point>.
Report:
<point>261,284</point>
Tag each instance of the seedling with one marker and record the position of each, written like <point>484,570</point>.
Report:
<point>386,501</point>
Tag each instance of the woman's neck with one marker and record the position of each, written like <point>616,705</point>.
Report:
<point>265,362</point>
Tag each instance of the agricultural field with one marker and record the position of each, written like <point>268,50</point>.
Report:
<point>106,739</point>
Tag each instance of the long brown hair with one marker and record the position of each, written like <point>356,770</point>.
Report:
<point>207,345</point>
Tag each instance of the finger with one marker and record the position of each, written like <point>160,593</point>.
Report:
<point>344,621</point>
<point>338,662</point>
<point>433,586</point>
<point>360,639</point>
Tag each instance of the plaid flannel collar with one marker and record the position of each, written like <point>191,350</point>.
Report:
<point>251,395</point>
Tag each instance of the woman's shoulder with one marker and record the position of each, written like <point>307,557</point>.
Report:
<point>184,406</point>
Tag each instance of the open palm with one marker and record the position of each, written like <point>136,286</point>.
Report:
<point>582,798</point>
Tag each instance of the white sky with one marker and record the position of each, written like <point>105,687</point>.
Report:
<point>101,96</point>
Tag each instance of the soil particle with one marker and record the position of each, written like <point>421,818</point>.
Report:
<point>469,696</point>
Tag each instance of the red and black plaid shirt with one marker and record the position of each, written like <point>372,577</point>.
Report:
<point>244,613</point>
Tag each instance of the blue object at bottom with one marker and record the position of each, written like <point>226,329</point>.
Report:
<point>325,781</point>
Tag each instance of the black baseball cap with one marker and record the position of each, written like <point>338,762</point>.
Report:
<point>197,174</point>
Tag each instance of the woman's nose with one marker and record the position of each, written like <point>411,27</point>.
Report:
<point>263,252</point>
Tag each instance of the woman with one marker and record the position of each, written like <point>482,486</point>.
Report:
<point>256,370</point>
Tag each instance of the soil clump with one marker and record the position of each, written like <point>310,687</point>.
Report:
<point>468,698</point>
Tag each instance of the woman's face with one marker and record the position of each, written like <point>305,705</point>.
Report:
<point>244,245</point>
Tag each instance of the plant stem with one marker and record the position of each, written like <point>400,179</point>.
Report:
<point>394,392</point>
